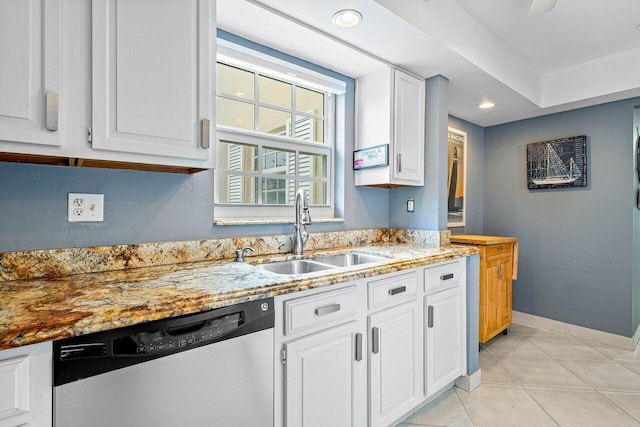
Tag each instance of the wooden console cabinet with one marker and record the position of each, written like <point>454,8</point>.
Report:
<point>498,267</point>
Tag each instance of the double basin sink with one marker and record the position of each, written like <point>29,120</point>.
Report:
<point>321,263</point>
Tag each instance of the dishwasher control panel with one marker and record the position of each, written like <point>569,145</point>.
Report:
<point>180,337</point>
<point>83,356</point>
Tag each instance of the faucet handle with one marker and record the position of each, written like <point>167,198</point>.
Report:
<point>240,253</point>
<point>306,217</point>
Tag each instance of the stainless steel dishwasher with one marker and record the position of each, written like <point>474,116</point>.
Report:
<point>208,369</point>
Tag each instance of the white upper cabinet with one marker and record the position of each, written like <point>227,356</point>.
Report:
<point>29,73</point>
<point>408,128</point>
<point>153,81</point>
<point>390,109</point>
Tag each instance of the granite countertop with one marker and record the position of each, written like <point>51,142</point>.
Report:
<point>39,310</point>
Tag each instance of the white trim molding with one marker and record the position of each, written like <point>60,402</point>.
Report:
<point>626,343</point>
<point>470,382</point>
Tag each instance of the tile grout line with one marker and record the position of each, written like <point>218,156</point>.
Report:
<point>618,406</point>
<point>542,407</point>
<point>464,407</point>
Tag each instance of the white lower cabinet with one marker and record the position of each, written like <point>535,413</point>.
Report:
<point>444,338</point>
<point>368,353</point>
<point>321,371</point>
<point>325,374</point>
<point>395,362</point>
<point>25,386</point>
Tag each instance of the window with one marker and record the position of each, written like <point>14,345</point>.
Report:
<point>275,127</point>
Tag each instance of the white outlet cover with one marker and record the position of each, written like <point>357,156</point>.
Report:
<point>82,207</point>
<point>411,205</point>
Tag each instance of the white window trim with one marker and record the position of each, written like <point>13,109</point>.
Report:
<point>262,63</point>
<point>258,62</point>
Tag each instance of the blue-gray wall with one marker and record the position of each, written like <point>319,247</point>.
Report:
<point>153,207</point>
<point>474,178</point>
<point>576,245</point>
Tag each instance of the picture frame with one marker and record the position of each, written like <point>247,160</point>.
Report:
<point>557,163</point>
<point>371,157</point>
<point>456,177</point>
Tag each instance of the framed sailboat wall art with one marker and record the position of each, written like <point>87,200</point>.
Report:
<point>559,163</point>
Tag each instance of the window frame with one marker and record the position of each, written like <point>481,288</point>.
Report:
<point>262,64</point>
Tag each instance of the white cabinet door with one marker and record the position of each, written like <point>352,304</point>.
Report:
<point>409,119</point>
<point>445,335</point>
<point>395,363</point>
<point>153,65</point>
<point>325,384</point>
<point>29,72</point>
<point>26,386</point>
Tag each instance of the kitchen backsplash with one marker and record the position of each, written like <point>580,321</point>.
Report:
<point>53,263</point>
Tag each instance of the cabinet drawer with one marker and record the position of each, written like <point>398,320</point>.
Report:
<point>442,277</point>
<point>503,248</point>
<point>319,311</point>
<point>393,290</point>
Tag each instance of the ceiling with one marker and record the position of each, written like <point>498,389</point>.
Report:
<point>581,53</point>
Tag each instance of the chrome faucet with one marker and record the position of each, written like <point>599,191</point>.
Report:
<point>301,220</point>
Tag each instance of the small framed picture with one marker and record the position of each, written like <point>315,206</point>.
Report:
<point>371,157</point>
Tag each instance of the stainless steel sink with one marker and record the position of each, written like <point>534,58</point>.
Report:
<point>349,259</point>
<point>295,267</point>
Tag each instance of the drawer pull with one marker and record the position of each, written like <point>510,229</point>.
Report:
<point>327,309</point>
<point>446,276</point>
<point>375,340</point>
<point>430,316</point>
<point>397,290</point>
<point>358,347</point>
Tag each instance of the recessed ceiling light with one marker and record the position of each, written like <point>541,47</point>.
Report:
<point>487,105</point>
<point>347,18</point>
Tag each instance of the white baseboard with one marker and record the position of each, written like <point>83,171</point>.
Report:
<point>608,338</point>
<point>469,382</point>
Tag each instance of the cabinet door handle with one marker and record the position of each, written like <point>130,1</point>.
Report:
<point>397,290</point>
<point>321,311</point>
<point>399,157</point>
<point>205,133</point>
<point>446,276</point>
<point>52,106</point>
<point>430,316</point>
<point>358,347</point>
<point>375,340</point>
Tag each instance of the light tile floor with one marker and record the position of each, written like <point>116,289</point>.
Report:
<point>533,377</point>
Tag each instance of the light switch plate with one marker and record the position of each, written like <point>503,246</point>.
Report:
<point>83,207</point>
<point>411,205</point>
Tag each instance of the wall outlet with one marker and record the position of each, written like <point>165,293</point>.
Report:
<point>411,205</point>
<point>85,207</point>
